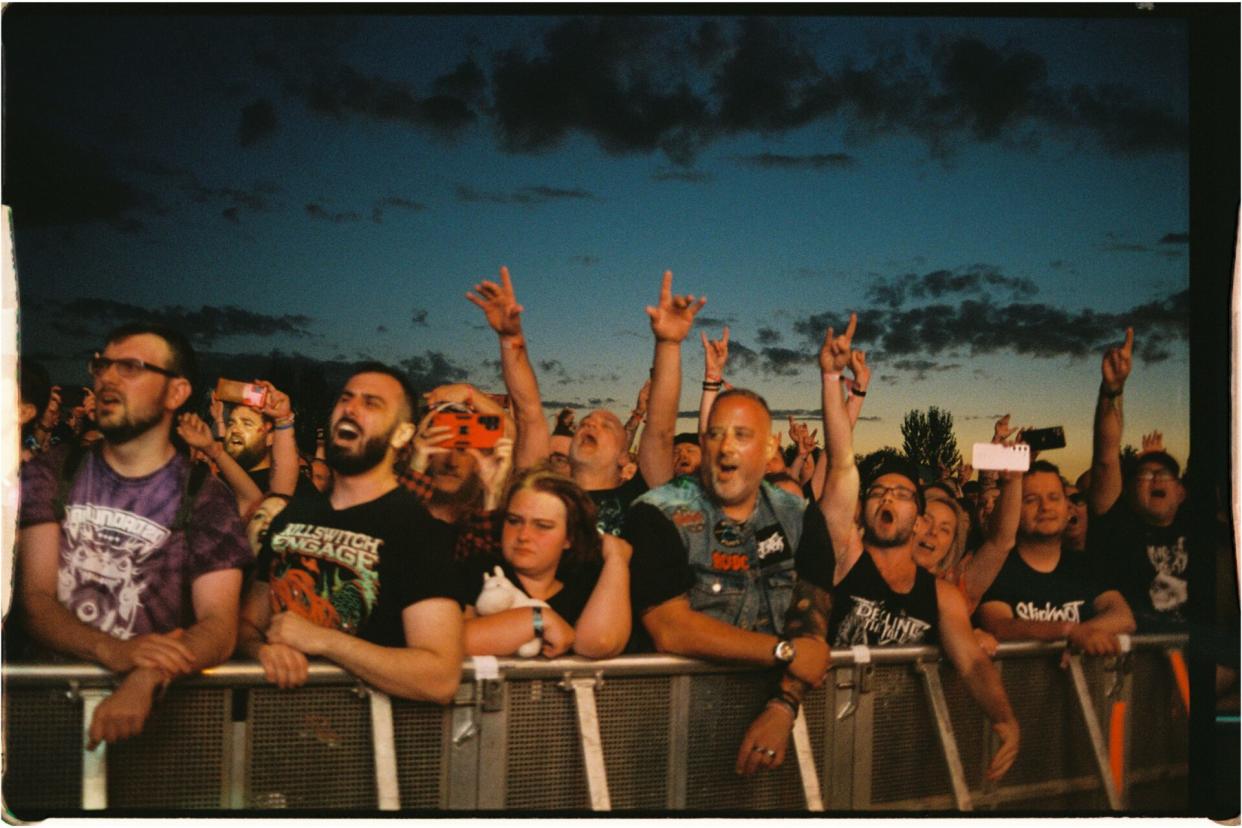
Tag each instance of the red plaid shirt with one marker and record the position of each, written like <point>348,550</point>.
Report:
<point>478,532</point>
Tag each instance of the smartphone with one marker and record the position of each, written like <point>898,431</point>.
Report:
<point>469,430</point>
<point>1042,439</point>
<point>995,457</point>
<point>246,393</point>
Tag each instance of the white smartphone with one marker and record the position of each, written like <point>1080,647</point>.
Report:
<point>994,457</point>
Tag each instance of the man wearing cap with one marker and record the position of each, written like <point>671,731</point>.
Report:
<point>1141,536</point>
<point>728,567</point>
<point>881,596</point>
<point>687,456</point>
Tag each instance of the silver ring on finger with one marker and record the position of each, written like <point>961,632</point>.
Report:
<point>771,753</point>
<point>756,747</point>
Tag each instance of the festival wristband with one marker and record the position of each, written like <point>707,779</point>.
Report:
<point>537,617</point>
<point>1112,395</point>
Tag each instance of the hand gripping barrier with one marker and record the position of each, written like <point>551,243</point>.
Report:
<point>892,728</point>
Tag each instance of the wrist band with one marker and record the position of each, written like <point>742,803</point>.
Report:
<point>829,376</point>
<point>783,702</point>
<point>712,386</point>
<point>1104,392</point>
<point>859,392</point>
<point>218,439</point>
<point>713,378</point>
<point>537,618</point>
<point>282,427</point>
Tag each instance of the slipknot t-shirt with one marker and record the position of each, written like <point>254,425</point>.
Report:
<point>1066,593</point>
<point>123,570</point>
<point>357,569</point>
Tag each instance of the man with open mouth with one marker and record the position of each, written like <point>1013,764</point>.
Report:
<point>361,575</point>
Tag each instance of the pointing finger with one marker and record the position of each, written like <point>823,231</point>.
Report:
<point>703,336</point>
<point>666,288</point>
<point>849,330</point>
<point>1128,347</point>
<point>505,282</point>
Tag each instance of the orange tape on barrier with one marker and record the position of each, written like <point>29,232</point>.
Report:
<point>1117,743</point>
<point>1178,664</point>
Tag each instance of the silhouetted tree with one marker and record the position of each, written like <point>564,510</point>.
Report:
<point>928,438</point>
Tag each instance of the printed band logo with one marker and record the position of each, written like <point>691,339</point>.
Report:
<point>326,575</point>
<point>874,624</point>
<point>689,519</point>
<point>770,543</point>
<point>100,578</point>
<point>728,534</point>
<point>1169,560</point>
<point>1029,611</point>
<point>729,562</point>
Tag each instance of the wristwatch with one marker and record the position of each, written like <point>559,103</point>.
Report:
<point>784,651</point>
<point>537,619</point>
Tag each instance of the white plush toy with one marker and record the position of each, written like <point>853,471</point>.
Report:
<point>499,594</point>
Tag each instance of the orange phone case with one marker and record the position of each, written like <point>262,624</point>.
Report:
<point>470,430</point>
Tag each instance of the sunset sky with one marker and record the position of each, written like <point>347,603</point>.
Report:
<point>996,197</point>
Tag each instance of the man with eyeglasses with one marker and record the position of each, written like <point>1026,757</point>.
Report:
<point>881,596</point>
<point>1141,535</point>
<point>107,550</point>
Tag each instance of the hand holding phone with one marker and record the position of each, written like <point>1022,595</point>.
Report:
<point>244,393</point>
<point>468,429</point>
<point>998,457</point>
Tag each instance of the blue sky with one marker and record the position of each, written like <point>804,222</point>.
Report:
<point>996,197</point>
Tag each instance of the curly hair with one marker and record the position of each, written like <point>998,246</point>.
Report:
<point>585,544</point>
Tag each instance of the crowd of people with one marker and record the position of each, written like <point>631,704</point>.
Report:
<point>156,542</point>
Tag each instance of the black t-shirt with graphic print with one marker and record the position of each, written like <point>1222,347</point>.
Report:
<point>1150,564</point>
<point>1066,593</point>
<point>357,569</point>
<point>612,504</point>
<point>867,611</point>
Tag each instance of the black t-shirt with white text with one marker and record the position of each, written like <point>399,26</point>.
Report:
<point>1066,593</point>
<point>867,611</point>
<point>612,504</point>
<point>1150,563</point>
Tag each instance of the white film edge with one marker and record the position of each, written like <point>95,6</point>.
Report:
<point>994,457</point>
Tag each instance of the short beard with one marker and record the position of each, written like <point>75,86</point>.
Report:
<point>129,429</point>
<point>870,539</point>
<point>249,457</point>
<point>373,452</point>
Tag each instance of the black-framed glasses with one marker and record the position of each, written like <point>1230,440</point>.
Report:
<point>1077,498</point>
<point>899,493</point>
<point>127,367</point>
<point>1158,476</point>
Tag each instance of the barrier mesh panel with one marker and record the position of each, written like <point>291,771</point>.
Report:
<point>420,731</point>
<point>906,758</point>
<point>1170,795</point>
<point>633,725</point>
<point>970,726</point>
<point>721,708</point>
<point>1159,733</point>
<point>309,749</point>
<point>178,761</point>
<point>1054,740</point>
<point>43,751</point>
<point>544,759</point>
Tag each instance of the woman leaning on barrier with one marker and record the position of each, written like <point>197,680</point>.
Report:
<point>552,553</point>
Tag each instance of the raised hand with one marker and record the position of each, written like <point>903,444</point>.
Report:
<point>565,420</point>
<point>644,396</point>
<point>858,367</point>
<point>499,304</point>
<point>217,409</point>
<point>715,355</point>
<point>1001,431</point>
<point>195,432</point>
<point>834,354</point>
<point>427,440</point>
<point>493,470</point>
<point>672,319</point>
<point>276,405</point>
<point>51,414</point>
<point>1152,442</point>
<point>1116,365</point>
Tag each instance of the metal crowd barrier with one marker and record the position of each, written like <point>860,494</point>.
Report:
<point>891,728</point>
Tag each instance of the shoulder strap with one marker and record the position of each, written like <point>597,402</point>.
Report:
<point>68,471</point>
<point>193,484</point>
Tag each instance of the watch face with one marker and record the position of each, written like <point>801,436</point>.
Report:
<point>784,651</point>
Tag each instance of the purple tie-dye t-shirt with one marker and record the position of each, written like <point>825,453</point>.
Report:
<point>122,569</point>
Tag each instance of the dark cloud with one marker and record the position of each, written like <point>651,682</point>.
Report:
<point>315,211</point>
<point>377,211</point>
<point>467,82</point>
<point>230,214</point>
<point>525,196</point>
<point>62,183</point>
<point>419,317</point>
<point>784,362</point>
<point>818,161</point>
<point>381,329</point>
<point>921,367</point>
<point>977,279</point>
<point>93,318</point>
<point>1175,238</point>
<point>604,77</point>
<point>768,336</point>
<point>770,81</point>
<point>258,121</point>
<point>980,326</point>
<point>688,176</point>
<point>431,369</point>
<point>716,322</point>
<point>1126,247</point>
<point>585,260</point>
<point>339,90</point>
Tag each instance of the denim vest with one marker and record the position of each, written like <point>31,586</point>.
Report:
<point>743,572</point>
